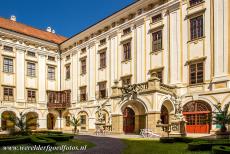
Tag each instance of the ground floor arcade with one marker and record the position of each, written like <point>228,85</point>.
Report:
<point>124,117</point>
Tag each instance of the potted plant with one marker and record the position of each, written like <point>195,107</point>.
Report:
<point>23,123</point>
<point>75,122</point>
<point>222,118</point>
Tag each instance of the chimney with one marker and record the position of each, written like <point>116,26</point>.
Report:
<point>48,29</point>
<point>13,17</point>
<point>53,31</point>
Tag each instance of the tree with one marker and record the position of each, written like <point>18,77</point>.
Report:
<point>222,117</point>
<point>75,122</point>
<point>23,122</point>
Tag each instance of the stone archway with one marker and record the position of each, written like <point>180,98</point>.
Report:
<point>5,122</point>
<point>84,120</point>
<point>32,120</point>
<point>134,117</point>
<point>164,115</point>
<point>197,114</point>
<point>167,110</point>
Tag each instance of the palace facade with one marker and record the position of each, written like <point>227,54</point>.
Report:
<point>168,48</point>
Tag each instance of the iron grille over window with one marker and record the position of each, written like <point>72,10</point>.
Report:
<point>196,73</point>
<point>83,119</point>
<point>196,27</point>
<point>157,41</point>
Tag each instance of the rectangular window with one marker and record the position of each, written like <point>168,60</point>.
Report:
<point>51,73</point>
<point>126,81</point>
<point>126,31</point>
<point>196,73</point>
<point>196,27</point>
<point>83,94</point>
<point>8,48</point>
<point>83,66</point>
<point>83,50</point>
<point>31,54</point>
<point>102,90</point>
<point>102,59</point>
<point>51,58</point>
<point>31,70</point>
<point>67,57</point>
<point>102,42</point>
<point>194,2</point>
<point>31,96</point>
<point>52,97</point>
<point>83,119</point>
<point>157,41</point>
<point>8,94</point>
<point>8,65</point>
<point>127,51</point>
<point>67,72</point>
<point>156,18</point>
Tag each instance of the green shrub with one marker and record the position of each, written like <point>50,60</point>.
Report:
<point>199,146</point>
<point>183,139</point>
<point>166,140</point>
<point>40,140</point>
<point>46,132</point>
<point>220,150</point>
<point>206,145</point>
<point>59,137</point>
<point>14,140</point>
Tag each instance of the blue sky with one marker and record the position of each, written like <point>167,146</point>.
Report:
<point>67,17</point>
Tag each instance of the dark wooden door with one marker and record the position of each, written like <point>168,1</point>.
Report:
<point>128,120</point>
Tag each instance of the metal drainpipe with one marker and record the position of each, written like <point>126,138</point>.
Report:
<point>59,52</point>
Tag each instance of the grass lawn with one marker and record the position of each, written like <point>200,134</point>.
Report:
<point>72,142</point>
<point>148,146</point>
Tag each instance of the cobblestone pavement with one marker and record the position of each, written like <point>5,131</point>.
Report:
<point>104,145</point>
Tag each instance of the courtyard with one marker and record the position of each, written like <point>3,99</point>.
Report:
<point>117,144</point>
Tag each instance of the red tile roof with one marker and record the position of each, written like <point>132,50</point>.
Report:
<point>30,31</point>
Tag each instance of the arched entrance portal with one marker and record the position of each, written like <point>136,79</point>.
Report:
<point>197,115</point>
<point>32,120</point>
<point>50,121</point>
<point>128,120</point>
<point>134,117</point>
<point>6,123</point>
<point>164,115</point>
<point>167,110</point>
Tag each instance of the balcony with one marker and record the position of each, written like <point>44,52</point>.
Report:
<point>151,86</point>
<point>58,99</point>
